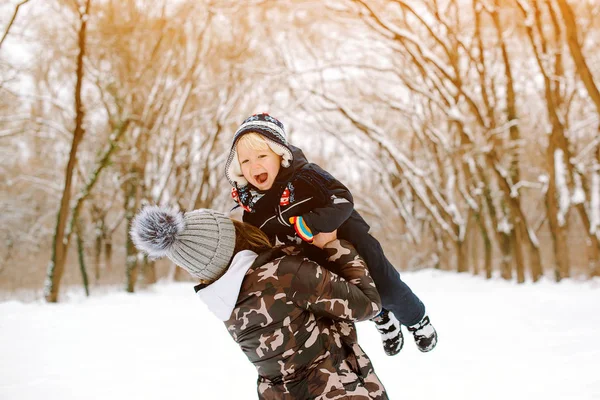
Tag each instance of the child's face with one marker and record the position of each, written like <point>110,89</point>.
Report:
<point>259,167</point>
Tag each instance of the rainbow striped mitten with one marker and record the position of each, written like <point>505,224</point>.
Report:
<point>302,229</point>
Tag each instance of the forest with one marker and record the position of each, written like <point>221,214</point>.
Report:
<point>467,130</point>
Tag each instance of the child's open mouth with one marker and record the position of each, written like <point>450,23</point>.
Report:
<point>261,178</point>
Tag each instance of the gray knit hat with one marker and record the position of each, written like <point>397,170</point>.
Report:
<point>200,241</point>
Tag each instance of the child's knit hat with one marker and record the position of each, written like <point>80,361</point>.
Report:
<point>272,131</point>
<point>200,241</point>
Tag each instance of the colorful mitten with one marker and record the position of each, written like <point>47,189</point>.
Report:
<point>302,229</point>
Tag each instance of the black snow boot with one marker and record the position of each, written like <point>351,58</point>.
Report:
<point>424,334</point>
<point>391,334</point>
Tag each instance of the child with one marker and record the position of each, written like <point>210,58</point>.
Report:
<point>293,200</point>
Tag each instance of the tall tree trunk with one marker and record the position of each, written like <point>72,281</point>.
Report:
<point>594,230</point>
<point>506,265</point>
<point>131,264</point>
<point>82,268</point>
<point>149,271</point>
<point>60,241</point>
<point>502,238</point>
<point>461,256</point>
<point>131,206</point>
<point>557,153</point>
<point>179,274</point>
<point>108,250</point>
<point>474,246</point>
<point>487,244</point>
<point>99,234</point>
<point>533,248</point>
<point>558,221</point>
<point>517,239</point>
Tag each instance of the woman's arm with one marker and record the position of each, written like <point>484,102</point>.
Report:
<point>346,292</point>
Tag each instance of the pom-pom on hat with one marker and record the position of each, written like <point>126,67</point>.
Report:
<point>272,130</point>
<point>200,241</point>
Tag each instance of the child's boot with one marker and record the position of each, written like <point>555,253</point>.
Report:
<point>424,334</point>
<point>391,334</point>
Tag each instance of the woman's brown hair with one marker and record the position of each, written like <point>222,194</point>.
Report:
<point>248,237</point>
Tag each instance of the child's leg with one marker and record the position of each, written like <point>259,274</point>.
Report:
<point>396,296</point>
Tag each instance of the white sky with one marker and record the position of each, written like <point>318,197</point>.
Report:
<point>497,340</point>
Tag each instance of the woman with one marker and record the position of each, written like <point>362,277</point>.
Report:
<point>292,318</point>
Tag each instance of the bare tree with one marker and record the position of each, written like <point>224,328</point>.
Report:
<point>61,238</point>
<point>12,20</point>
<point>591,222</point>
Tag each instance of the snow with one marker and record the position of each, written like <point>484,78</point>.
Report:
<point>504,226</point>
<point>578,196</point>
<point>497,340</point>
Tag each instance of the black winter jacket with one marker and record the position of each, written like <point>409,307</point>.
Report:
<point>323,201</point>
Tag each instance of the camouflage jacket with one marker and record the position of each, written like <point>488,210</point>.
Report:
<point>294,320</point>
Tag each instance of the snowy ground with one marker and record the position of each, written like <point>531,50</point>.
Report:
<point>498,340</point>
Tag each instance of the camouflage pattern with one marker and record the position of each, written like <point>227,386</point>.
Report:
<point>294,320</point>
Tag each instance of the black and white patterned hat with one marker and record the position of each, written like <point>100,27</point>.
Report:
<point>274,133</point>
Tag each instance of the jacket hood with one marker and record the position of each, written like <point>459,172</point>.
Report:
<point>285,174</point>
<point>221,295</point>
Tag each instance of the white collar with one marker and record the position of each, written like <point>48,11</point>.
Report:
<point>221,295</point>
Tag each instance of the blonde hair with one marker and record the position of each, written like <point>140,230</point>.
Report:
<point>253,141</point>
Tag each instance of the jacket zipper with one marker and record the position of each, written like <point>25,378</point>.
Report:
<point>279,214</point>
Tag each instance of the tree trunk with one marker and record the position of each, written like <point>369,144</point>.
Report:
<point>131,207</point>
<point>99,233</point>
<point>108,249</point>
<point>82,268</point>
<point>149,271</point>
<point>594,226</point>
<point>594,259</point>
<point>516,239</point>
<point>474,247</point>
<point>60,241</point>
<point>558,228</point>
<point>487,243</point>
<point>178,274</point>
<point>131,264</point>
<point>507,261</point>
<point>461,256</point>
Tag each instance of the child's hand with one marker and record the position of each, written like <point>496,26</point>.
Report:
<point>302,230</point>
<point>321,239</point>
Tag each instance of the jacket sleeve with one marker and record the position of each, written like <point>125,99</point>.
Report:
<point>336,199</point>
<point>347,293</point>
